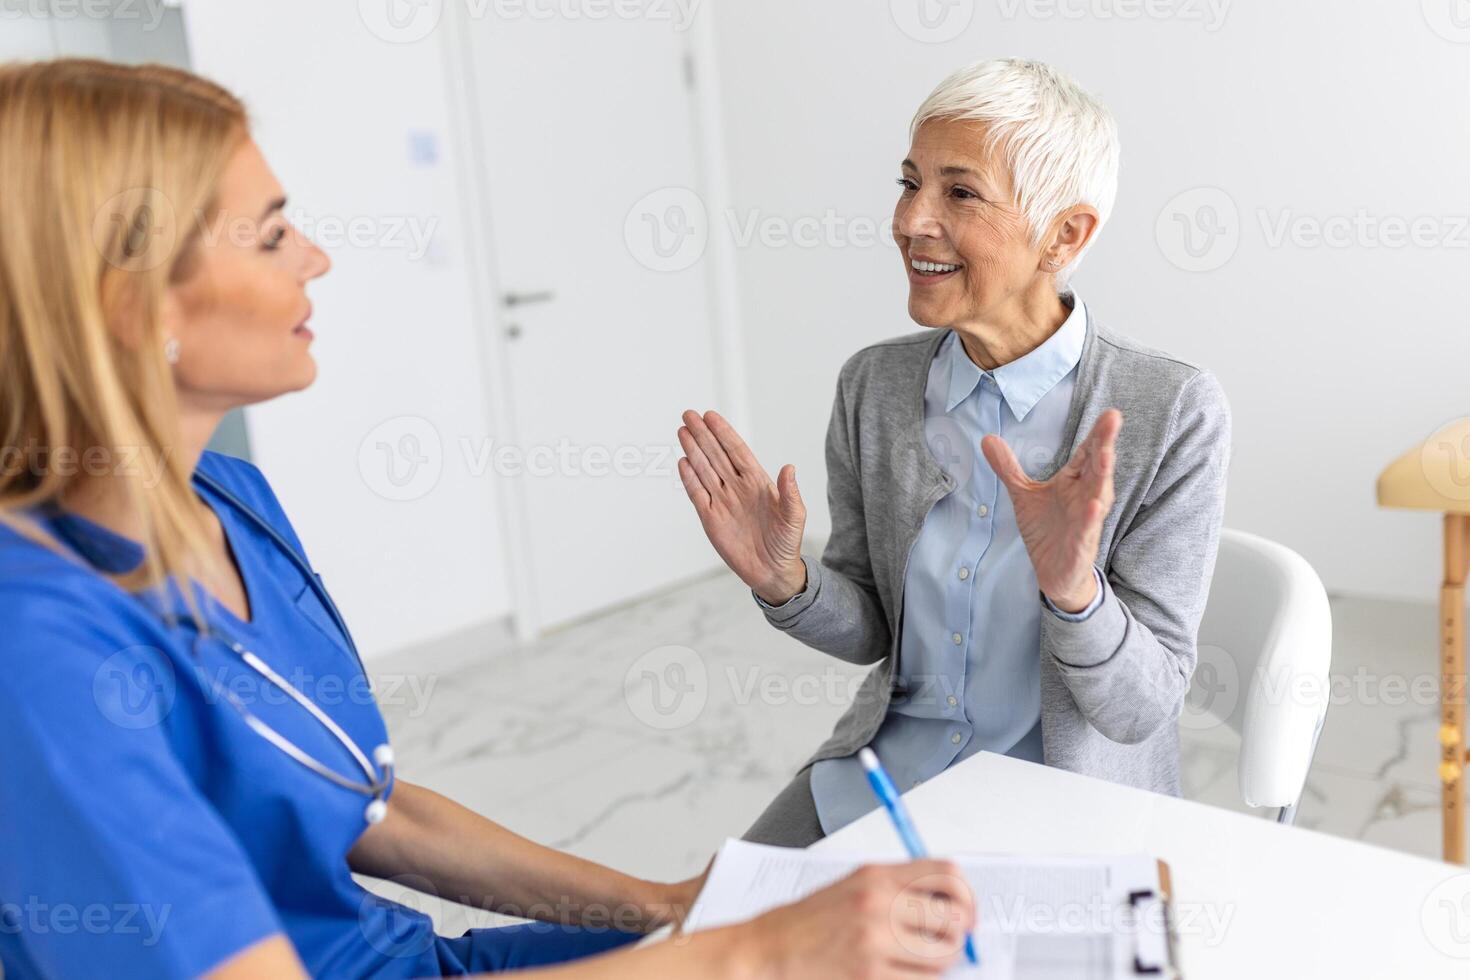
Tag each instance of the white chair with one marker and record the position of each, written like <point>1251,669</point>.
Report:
<point>1265,650</point>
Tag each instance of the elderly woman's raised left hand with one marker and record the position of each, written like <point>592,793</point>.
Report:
<point>1060,519</point>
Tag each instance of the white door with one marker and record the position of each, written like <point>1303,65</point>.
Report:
<point>591,174</point>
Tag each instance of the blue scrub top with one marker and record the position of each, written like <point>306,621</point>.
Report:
<point>147,830</point>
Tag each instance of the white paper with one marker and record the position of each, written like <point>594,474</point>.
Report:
<point>1039,918</point>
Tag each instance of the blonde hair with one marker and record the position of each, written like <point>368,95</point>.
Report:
<point>108,173</point>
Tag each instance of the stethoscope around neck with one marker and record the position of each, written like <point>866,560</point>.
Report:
<point>377,772</point>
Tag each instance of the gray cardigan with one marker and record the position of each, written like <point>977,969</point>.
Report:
<point>1113,685</point>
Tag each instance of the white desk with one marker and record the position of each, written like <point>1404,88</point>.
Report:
<point>1294,903</point>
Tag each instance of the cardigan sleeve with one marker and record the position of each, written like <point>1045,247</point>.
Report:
<point>839,611</point>
<point>1128,665</point>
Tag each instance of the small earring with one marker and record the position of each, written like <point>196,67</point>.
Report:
<point>171,350</point>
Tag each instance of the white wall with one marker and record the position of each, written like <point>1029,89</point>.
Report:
<point>115,30</point>
<point>1335,359</point>
<point>24,38</point>
<point>398,344</point>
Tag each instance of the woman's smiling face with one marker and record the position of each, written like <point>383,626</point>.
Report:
<point>240,316</point>
<point>956,209</point>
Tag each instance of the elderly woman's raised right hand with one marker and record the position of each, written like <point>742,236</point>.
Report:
<point>754,524</point>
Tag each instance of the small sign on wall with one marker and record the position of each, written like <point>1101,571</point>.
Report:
<point>423,148</point>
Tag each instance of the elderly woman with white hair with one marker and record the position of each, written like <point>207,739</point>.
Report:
<point>1026,569</point>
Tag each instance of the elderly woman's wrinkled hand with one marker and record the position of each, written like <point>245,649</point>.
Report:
<point>755,525</point>
<point>1060,519</point>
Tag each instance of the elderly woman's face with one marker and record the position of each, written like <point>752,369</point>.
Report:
<point>966,246</point>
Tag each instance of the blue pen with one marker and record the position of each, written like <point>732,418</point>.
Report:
<point>887,794</point>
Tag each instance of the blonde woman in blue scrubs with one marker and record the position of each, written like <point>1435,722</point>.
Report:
<point>152,829</point>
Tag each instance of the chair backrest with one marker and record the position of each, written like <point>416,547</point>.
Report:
<point>1265,652</point>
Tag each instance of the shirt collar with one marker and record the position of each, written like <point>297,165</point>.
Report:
<point>102,548</point>
<point>1024,381</point>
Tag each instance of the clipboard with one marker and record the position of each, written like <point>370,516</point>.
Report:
<point>1162,963</point>
<point>1140,929</point>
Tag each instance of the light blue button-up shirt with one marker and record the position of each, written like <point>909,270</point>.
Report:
<point>969,655</point>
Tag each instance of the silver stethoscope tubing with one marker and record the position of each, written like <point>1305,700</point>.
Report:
<point>379,771</point>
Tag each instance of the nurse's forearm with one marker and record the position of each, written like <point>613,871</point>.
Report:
<point>730,953</point>
<point>475,861</point>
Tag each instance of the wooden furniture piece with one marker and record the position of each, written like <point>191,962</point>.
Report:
<point>1435,475</point>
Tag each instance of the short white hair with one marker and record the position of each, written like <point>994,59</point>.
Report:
<point>1060,143</point>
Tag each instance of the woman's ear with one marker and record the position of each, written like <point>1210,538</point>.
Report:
<point>171,324</point>
<point>1074,228</point>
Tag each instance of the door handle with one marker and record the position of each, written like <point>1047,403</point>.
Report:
<point>525,299</point>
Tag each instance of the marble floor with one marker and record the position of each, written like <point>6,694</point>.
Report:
<point>645,736</point>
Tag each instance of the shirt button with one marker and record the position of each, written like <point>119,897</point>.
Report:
<point>953,700</point>
<point>964,573</point>
<point>955,738</point>
<point>957,639</point>
<point>982,510</point>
